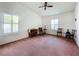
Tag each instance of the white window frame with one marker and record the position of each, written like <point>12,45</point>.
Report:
<point>11,24</point>
<point>53,26</point>
<point>16,24</point>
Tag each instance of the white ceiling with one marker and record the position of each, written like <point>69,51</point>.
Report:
<point>58,7</point>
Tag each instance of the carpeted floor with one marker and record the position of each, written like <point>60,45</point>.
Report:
<point>46,45</point>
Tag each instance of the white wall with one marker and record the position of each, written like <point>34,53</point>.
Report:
<point>76,13</point>
<point>27,20</point>
<point>66,21</point>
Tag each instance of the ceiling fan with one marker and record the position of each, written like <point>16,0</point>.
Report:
<point>45,5</point>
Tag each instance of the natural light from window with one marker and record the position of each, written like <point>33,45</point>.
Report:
<point>10,23</point>
<point>54,24</point>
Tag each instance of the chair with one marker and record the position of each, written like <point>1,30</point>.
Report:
<point>73,34</point>
<point>40,30</point>
<point>68,34</point>
<point>59,32</point>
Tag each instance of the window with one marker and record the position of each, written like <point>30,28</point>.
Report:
<point>10,23</point>
<point>54,24</point>
<point>7,23</point>
<point>15,24</point>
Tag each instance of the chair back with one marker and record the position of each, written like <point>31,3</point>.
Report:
<point>73,31</point>
<point>59,30</point>
<point>40,29</point>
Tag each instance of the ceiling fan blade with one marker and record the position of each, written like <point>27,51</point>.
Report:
<point>41,6</point>
<point>50,6</point>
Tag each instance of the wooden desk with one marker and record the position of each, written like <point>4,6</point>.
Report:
<point>33,32</point>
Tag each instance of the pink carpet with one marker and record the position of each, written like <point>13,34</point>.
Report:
<point>46,45</point>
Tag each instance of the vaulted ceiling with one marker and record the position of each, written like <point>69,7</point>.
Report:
<point>58,7</point>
